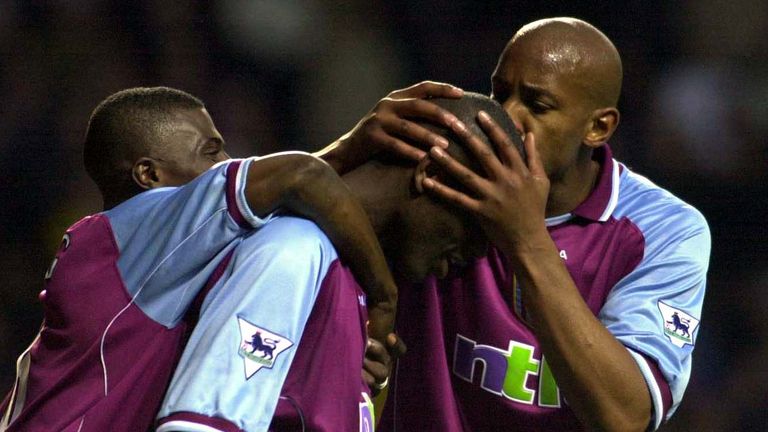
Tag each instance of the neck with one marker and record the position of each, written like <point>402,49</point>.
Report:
<point>572,188</point>
<point>381,190</point>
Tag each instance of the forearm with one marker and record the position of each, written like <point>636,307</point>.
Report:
<point>598,377</point>
<point>333,156</point>
<point>306,186</point>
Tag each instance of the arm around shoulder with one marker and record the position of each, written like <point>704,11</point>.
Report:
<point>306,186</point>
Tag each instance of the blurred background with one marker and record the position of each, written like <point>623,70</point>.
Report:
<point>297,74</point>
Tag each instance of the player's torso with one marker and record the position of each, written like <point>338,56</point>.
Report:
<point>485,367</point>
<point>324,390</point>
<point>84,371</point>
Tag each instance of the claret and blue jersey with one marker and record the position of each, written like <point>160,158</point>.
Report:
<point>115,299</point>
<point>280,342</point>
<point>638,256</point>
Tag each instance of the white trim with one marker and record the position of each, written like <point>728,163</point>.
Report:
<point>653,387</point>
<point>141,287</point>
<point>557,220</point>
<point>614,192</point>
<point>186,426</point>
<point>19,392</point>
<point>242,205</point>
<point>240,200</point>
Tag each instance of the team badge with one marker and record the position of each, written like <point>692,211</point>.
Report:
<point>259,347</point>
<point>678,325</point>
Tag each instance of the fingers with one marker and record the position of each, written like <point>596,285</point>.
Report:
<point>504,144</point>
<point>403,109</point>
<point>377,372</point>
<point>397,146</point>
<point>375,351</point>
<point>480,150</point>
<point>457,170</point>
<point>452,195</point>
<point>427,89</point>
<point>535,164</point>
<point>396,131</point>
<point>376,365</point>
<point>395,346</point>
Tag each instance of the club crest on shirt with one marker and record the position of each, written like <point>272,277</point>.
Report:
<point>259,347</point>
<point>678,325</point>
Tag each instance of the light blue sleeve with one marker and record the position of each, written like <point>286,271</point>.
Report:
<point>669,281</point>
<point>169,238</point>
<point>269,289</point>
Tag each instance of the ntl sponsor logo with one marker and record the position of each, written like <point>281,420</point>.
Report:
<point>505,373</point>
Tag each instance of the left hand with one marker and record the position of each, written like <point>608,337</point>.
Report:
<point>378,361</point>
<point>381,320</point>
<point>511,201</point>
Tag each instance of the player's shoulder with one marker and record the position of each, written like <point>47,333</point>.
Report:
<point>291,236</point>
<point>648,204</point>
<point>158,199</point>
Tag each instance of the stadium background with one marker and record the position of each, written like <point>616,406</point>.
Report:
<point>294,75</point>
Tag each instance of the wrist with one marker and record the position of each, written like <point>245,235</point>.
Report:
<point>332,156</point>
<point>530,243</point>
<point>385,302</point>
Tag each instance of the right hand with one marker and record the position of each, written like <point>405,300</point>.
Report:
<point>389,127</point>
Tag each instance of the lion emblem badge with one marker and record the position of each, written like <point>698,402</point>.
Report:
<point>259,347</point>
<point>678,325</point>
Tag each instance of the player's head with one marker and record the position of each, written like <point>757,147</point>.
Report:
<point>143,138</point>
<point>430,235</point>
<point>560,78</point>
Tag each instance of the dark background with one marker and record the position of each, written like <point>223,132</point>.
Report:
<point>295,75</point>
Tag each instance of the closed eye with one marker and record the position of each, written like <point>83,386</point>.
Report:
<point>213,147</point>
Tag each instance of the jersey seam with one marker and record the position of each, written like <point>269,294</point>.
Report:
<point>141,287</point>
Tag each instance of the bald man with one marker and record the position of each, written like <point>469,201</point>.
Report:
<point>584,315</point>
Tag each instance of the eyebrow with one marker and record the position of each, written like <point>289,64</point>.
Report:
<point>540,90</point>
<point>499,81</point>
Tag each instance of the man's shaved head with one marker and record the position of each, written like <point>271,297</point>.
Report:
<point>560,79</point>
<point>466,109</point>
<point>572,46</point>
<point>126,125</point>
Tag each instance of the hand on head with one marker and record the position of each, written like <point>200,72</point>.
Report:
<point>393,126</point>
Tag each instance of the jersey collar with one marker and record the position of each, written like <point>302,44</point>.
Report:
<point>600,204</point>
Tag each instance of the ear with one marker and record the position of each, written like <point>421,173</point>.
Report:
<point>602,125</point>
<point>145,173</point>
<point>419,174</point>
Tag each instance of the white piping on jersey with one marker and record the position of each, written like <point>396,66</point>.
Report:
<point>614,193</point>
<point>557,220</point>
<point>19,393</point>
<point>609,208</point>
<point>241,207</point>
<point>133,299</point>
<point>653,387</point>
<point>186,426</point>
<point>82,420</point>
